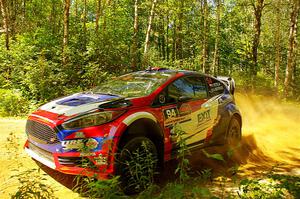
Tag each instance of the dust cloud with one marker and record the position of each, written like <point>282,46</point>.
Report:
<point>270,141</point>
<point>271,134</point>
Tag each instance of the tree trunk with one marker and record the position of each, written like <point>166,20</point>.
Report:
<point>84,25</point>
<point>66,31</point>
<point>167,35</point>
<point>53,17</point>
<point>76,9</point>
<point>24,10</point>
<point>174,42</point>
<point>258,7</point>
<point>147,41</point>
<point>98,13</point>
<point>107,4</point>
<point>291,59</point>
<point>215,64</point>
<point>4,12</point>
<point>179,38</point>
<point>278,45</point>
<point>205,69</point>
<point>134,54</point>
<point>163,39</point>
<point>12,13</point>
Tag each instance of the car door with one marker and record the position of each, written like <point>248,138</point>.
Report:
<point>202,113</point>
<point>183,107</point>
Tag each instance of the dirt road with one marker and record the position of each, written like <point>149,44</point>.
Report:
<point>271,137</point>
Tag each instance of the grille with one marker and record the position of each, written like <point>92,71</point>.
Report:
<point>42,133</point>
<point>42,152</point>
<point>75,161</point>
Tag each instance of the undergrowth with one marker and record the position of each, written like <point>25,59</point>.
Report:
<point>32,184</point>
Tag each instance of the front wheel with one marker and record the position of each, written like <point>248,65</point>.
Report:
<point>234,134</point>
<point>137,163</point>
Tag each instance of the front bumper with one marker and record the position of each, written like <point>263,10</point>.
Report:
<point>75,163</point>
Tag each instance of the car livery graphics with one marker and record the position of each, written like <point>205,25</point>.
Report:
<point>93,127</point>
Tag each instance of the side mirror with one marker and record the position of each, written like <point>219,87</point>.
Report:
<point>184,98</point>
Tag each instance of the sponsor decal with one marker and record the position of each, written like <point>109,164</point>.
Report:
<point>174,115</point>
<point>161,99</point>
<point>204,117</point>
<point>80,144</point>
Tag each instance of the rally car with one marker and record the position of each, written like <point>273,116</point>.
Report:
<point>89,133</point>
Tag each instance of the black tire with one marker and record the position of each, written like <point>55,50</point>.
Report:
<point>136,164</point>
<point>234,133</point>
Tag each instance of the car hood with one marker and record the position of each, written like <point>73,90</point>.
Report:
<point>77,103</point>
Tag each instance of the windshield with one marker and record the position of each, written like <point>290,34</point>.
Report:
<point>133,85</point>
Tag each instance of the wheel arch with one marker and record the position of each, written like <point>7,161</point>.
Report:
<point>147,126</point>
<point>238,117</point>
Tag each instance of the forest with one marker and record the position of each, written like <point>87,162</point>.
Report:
<point>53,47</point>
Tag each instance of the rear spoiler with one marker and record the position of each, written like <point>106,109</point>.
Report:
<point>229,82</point>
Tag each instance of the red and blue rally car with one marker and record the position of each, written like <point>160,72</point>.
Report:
<point>127,111</point>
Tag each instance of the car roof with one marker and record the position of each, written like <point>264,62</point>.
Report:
<point>170,71</point>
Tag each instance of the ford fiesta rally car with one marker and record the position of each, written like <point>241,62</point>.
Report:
<point>102,126</point>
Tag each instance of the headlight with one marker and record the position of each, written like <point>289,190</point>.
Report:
<point>93,119</point>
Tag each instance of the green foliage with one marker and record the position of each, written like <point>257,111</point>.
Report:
<point>149,192</point>
<point>256,188</point>
<point>12,103</point>
<point>32,185</point>
<point>288,182</point>
<point>94,188</point>
<point>33,65</point>
<point>173,190</point>
<point>200,192</point>
<point>215,156</point>
<point>142,168</point>
<point>259,83</point>
<point>183,151</point>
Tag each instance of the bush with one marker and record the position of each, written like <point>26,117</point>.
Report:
<point>12,103</point>
<point>264,188</point>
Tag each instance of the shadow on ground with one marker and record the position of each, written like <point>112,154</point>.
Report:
<point>246,155</point>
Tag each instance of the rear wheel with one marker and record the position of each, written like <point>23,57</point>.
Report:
<point>234,132</point>
<point>136,164</point>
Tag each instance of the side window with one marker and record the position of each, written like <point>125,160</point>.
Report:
<point>215,87</point>
<point>180,87</point>
<point>192,87</point>
<point>199,87</point>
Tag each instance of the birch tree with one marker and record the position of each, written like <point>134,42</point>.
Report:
<point>147,40</point>
<point>4,12</point>
<point>98,13</point>
<point>66,31</point>
<point>292,46</point>
<point>215,64</point>
<point>134,53</point>
<point>205,68</point>
<point>277,44</point>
